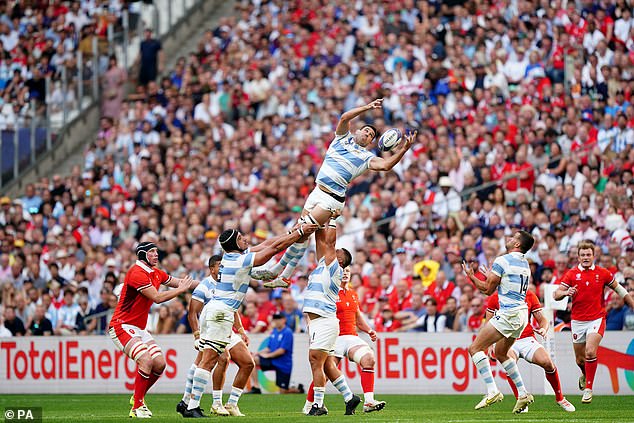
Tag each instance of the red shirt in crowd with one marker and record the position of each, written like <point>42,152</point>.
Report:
<point>589,302</point>
<point>133,307</point>
<point>440,294</point>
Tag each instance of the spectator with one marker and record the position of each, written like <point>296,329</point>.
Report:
<point>112,86</point>
<point>432,321</point>
<point>12,322</point>
<point>476,315</point>
<point>4,332</point>
<point>151,56</point>
<point>277,356</point>
<point>292,313</point>
<point>67,315</point>
<point>450,311</point>
<point>165,323</point>
<point>385,321</point>
<point>40,325</point>
<point>616,313</point>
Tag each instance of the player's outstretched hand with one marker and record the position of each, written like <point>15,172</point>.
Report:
<point>571,291</point>
<point>309,228</point>
<point>187,283</point>
<point>372,335</point>
<point>409,139</point>
<point>467,269</point>
<point>376,104</point>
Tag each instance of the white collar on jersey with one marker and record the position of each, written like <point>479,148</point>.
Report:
<point>144,266</point>
<point>582,269</point>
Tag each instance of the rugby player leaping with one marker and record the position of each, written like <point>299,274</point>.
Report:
<point>346,158</point>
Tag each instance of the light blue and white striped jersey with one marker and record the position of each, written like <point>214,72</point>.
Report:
<point>205,290</point>
<point>344,161</point>
<point>233,278</point>
<point>516,274</point>
<point>322,292</point>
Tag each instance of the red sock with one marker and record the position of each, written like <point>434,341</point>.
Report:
<point>367,380</point>
<point>512,385</point>
<point>553,379</point>
<point>591,370</point>
<point>153,378</point>
<point>310,396</point>
<point>141,383</point>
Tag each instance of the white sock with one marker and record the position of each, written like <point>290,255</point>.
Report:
<point>319,395</point>
<point>510,366</point>
<point>217,396</point>
<point>481,362</point>
<point>235,395</point>
<point>201,379</point>
<point>188,384</point>
<point>368,397</point>
<point>343,388</point>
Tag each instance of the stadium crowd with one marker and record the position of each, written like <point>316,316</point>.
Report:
<point>233,136</point>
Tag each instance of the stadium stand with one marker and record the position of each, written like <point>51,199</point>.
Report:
<point>525,121</point>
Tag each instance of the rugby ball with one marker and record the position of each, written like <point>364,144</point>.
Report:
<point>390,139</point>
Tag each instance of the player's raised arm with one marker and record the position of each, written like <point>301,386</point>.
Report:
<point>486,287</point>
<point>344,122</point>
<point>384,164</point>
<point>160,297</point>
<point>175,282</point>
<point>281,242</point>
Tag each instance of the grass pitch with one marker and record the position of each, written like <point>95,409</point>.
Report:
<point>287,408</point>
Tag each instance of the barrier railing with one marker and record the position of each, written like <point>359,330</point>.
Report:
<point>41,123</point>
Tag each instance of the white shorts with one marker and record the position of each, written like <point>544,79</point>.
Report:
<point>510,323</point>
<point>581,328</point>
<point>526,347</point>
<point>122,334</point>
<point>216,326</point>
<point>345,343</point>
<point>235,340</point>
<point>323,200</point>
<point>323,333</point>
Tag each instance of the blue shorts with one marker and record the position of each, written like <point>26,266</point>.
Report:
<point>282,379</point>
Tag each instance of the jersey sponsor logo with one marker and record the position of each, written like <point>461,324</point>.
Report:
<point>578,276</point>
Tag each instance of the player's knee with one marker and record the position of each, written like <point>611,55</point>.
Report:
<point>549,366</point>
<point>581,361</point>
<point>473,349</point>
<point>144,362</point>
<point>158,364</point>
<point>367,361</point>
